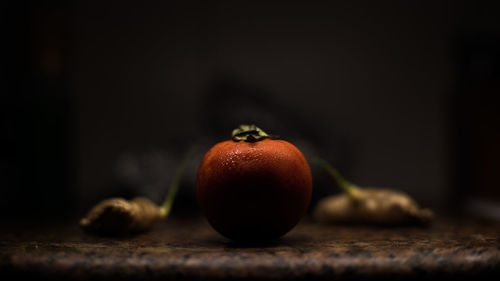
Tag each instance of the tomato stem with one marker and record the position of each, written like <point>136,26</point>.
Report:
<point>250,133</point>
<point>166,207</point>
<point>348,187</point>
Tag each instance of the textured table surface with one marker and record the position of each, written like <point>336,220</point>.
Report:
<point>191,250</point>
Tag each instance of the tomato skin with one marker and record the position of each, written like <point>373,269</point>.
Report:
<point>254,190</point>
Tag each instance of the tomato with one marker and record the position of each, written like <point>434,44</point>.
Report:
<point>253,187</point>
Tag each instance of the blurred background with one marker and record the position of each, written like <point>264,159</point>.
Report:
<point>103,98</point>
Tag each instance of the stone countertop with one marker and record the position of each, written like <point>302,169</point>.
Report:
<point>191,250</point>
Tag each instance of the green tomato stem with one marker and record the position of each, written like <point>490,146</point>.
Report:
<point>348,187</point>
<point>166,207</point>
<point>250,133</point>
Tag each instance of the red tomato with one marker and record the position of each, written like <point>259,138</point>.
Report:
<point>254,190</point>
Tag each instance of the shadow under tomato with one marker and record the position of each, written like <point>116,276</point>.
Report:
<point>286,241</point>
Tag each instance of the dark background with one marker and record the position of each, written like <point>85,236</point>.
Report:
<point>103,98</point>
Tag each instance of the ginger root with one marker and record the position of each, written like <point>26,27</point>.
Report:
<point>116,216</point>
<point>368,205</point>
